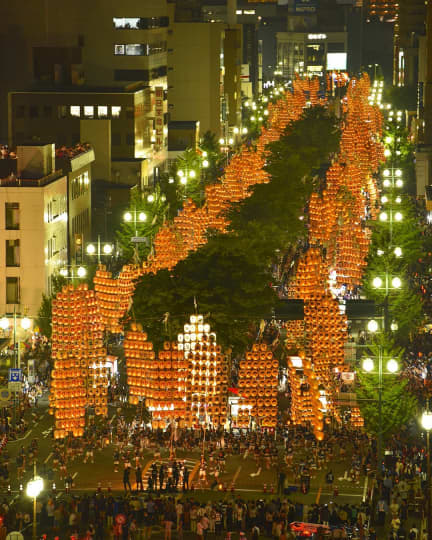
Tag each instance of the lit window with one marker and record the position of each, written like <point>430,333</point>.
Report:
<point>119,49</point>
<point>102,111</point>
<point>86,178</point>
<point>115,111</point>
<point>89,111</point>
<point>249,12</point>
<point>75,110</point>
<point>134,49</point>
<point>239,11</point>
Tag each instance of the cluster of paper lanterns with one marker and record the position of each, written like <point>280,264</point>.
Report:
<point>114,295</point>
<point>140,358</point>
<point>206,375</point>
<point>257,383</point>
<point>339,242</point>
<point>167,378</point>
<point>77,345</point>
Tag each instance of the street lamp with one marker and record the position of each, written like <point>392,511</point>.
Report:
<point>392,368</point>
<point>135,216</point>
<point>426,422</point>
<point>99,249</point>
<point>33,490</point>
<point>72,272</point>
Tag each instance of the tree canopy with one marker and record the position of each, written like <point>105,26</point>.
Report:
<point>230,277</point>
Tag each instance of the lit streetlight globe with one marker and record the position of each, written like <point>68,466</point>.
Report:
<point>386,183</point>
<point>183,180</point>
<point>396,283</point>
<point>386,172</point>
<point>142,216</point>
<point>398,251</point>
<point>34,487</point>
<point>221,141</point>
<point>398,200</point>
<point>388,140</point>
<point>107,249</point>
<point>150,198</point>
<point>394,326</point>
<point>25,323</point>
<point>383,216</point>
<point>192,174</point>
<point>384,199</point>
<point>372,326</point>
<point>205,164</point>
<point>398,216</point>
<point>387,153</point>
<point>4,323</point>
<point>180,173</point>
<point>244,130</point>
<point>392,365</point>
<point>377,282</point>
<point>368,364</point>
<point>399,183</point>
<point>81,272</point>
<point>426,420</point>
<point>91,249</point>
<point>127,216</point>
<point>398,172</point>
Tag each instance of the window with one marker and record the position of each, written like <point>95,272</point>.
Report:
<point>115,111</point>
<point>102,111</point>
<point>119,49</point>
<point>249,12</point>
<point>34,111</point>
<point>89,111</point>
<point>140,23</point>
<point>80,185</point>
<point>12,253</point>
<point>12,216</point>
<point>62,111</point>
<point>130,139</point>
<point>140,49</point>
<point>116,139</point>
<point>75,110</point>
<point>47,111</point>
<point>131,75</point>
<point>12,290</point>
<point>20,111</point>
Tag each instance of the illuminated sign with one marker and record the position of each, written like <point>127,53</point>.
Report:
<point>337,61</point>
<point>159,117</point>
<point>317,36</point>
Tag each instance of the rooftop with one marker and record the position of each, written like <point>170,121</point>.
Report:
<point>13,181</point>
<point>81,89</point>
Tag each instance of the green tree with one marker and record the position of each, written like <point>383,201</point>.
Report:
<point>149,210</point>
<point>399,405</point>
<point>44,316</point>
<point>230,276</point>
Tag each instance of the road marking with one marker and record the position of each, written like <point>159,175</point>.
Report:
<point>365,488</point>
<point>48,458</point>
<point>318,495</point>
<point>236,475</point>
<point>74,475</point>
<point>193,472</point>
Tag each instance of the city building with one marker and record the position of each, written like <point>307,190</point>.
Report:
<point>207,89</point>
<point>87,53</point>
<point>127,128</point>
<point>310,52</point>
<point>45,208</point>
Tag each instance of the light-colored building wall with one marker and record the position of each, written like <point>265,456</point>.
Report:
<point>42,235</point>
<point>195,74</point>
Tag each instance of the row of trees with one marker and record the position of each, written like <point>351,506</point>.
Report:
<point>229,278</point>
<point>399,246</point>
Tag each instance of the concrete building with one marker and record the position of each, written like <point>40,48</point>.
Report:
<point>207,89</point>
<point>87,48</point>
<point>311,52</point>
<point>127,128</point>
<point>44,207</point>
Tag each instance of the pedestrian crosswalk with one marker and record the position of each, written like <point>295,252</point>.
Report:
<point>168,477</point>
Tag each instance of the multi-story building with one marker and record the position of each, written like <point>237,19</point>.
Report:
<point>127,127</point>
<point>208,89</point>
<point>87,49</point>
<point>44,205</point>
<point>311,52</point>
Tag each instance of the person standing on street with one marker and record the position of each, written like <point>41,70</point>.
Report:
<point>126,480</point>
<point>138,478</point>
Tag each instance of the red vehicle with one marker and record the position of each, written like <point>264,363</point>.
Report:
<point>303,529</point>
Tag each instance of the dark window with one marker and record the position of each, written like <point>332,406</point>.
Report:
<point>12,290</point>
<point>12,252</point>
<point>335,47</point>
<point>130,139</point>
<point>12,216</point>
<point>62,111</point>
<point>47,111</point>
<point>34,111</point>
<point>116,139</point>
<point>20,111</point>
<point>131,75</point>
